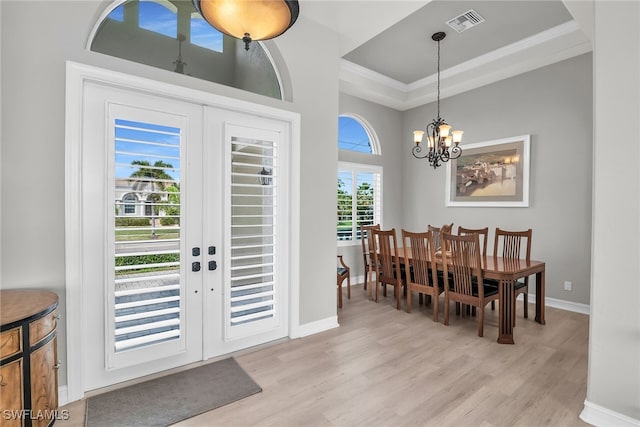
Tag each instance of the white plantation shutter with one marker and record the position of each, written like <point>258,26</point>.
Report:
<point>146,234</point>
<point>359,199</point>
<point>252,299</point>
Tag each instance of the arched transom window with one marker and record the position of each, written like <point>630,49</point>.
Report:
<point>173,36</point>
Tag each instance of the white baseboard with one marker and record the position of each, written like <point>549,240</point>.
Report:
<point>561,304</point>
<point>600,416</point>
<point>315,327</point>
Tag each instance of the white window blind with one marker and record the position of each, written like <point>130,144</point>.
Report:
<point>359,199</point>
<point>146,234</point>
<point>253,229</point>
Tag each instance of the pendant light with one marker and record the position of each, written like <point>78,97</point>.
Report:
<point>439,134</point>
<point>249,20</point>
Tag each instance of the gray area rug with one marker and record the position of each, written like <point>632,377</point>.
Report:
<point>176,397</point>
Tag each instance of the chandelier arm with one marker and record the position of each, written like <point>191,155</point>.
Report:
<point>417,152</point>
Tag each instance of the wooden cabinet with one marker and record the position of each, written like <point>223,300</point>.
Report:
<point>28,358</point>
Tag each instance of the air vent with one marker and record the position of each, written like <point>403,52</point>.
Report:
<point>465,21</point>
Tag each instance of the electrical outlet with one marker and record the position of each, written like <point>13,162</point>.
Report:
<point>568,286</point>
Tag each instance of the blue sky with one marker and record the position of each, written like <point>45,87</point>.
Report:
<point>352,136</point>
<point>163,20</point>
<point>147,142</point>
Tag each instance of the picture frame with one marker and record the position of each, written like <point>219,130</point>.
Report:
<point>490,174</point>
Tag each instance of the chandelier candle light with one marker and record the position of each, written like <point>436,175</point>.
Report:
<point>249,20</point>
<point>439,134</point>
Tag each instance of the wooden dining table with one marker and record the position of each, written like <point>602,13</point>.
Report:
<point>506,271</point>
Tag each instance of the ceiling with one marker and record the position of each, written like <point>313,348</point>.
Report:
<point>388,56</point>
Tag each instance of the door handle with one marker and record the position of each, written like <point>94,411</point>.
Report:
<point>195,266</point>
<point>212,265</point>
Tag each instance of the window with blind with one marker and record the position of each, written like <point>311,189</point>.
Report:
<point>147,234</point>
<point>254,224</point>
<point>359,199</point>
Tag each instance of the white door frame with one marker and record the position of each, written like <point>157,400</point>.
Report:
<point>77,76</point>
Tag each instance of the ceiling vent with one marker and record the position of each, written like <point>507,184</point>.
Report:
<point>465,21</point>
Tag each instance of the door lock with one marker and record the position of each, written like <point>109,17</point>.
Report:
<point>195,266</point>
<point>195,251</point>
<point>212,265</point>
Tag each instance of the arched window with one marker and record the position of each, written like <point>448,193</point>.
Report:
<point>359,191</point>
<point>353,135</point>
<point>130,201</point>
<point>171,35</point>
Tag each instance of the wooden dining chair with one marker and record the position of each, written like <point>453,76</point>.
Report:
<point>483,235</point>
<point>465,284</point>
<point>367,255</point>
<point>344,273</point>
<point>515,245</point>
<point>386,262</point>
<point>437,231</point>
<point>421,274</point>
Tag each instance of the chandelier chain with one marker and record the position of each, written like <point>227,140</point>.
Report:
<point>438,78</point>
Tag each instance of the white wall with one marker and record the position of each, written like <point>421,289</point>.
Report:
<point>613,392</point>
<point>553,105</point>
<point>37,38</point>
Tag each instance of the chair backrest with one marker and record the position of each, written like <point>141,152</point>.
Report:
<point>483,235</point>
<point>465,264</point>
<point>385,251</point>
<point>509,244</point>
<point>366,238</point>
<point>437,231</point>
<point>422,252</point>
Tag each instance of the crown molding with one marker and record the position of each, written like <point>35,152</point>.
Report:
<point>556,44</point>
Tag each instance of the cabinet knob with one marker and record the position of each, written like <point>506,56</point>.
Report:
<point>57,365</point>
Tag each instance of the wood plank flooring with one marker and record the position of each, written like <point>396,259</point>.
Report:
<point>385,367</point>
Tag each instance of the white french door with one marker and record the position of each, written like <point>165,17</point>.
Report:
<point>184,232</point>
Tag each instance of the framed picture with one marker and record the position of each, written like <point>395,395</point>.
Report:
<point>491,173</point>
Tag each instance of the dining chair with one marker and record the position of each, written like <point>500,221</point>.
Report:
<point>367,255</point>
<point>386,262</point>
<point>344,273</point>
<point>465,285</point>
<point>515,245</point>
<point>437,231</point>
<point>483,236</point>
<point>421,275</point>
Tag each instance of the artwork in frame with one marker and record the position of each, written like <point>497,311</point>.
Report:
<point>490,174</point>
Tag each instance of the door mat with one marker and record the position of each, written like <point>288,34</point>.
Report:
<point>176,397</point>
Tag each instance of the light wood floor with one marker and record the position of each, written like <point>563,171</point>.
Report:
<point>385,367</point>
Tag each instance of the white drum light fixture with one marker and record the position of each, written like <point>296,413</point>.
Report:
<point>249,20</point>
<point>439,134</point>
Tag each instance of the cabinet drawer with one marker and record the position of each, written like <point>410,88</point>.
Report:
<point>10,342</point>
<point>11,390</point>
<point>42,327</point>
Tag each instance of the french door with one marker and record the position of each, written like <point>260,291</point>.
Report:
<point>184,215</point>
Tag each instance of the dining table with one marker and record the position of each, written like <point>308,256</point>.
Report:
<point>506,271</point>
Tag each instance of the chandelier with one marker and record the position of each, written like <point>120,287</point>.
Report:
<point>249,20</point>
<point>440,137</point>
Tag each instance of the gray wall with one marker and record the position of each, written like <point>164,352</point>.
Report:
<point>386,123</point>
<point>614,336</point>
<point>554,105</point>
<point>37,38</point>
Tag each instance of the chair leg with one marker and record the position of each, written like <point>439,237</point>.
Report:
<point>446,311</point>
<point>339,295</point>
<point>435,308</point>
<point>526,304</point>
<point>480,321</point>
<point>408,307</point>
<point>349,285</point>
<point>493,305</point>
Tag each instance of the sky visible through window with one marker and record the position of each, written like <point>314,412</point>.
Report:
<point>136,141</point>
<point>161,17</point>
<point>352,136</point>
